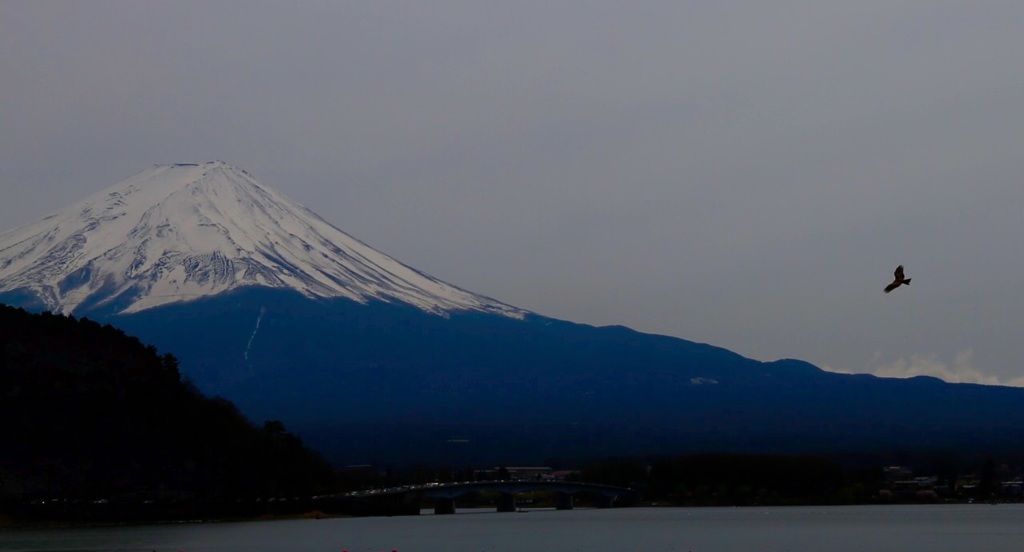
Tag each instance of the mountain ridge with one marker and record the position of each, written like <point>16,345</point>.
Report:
<point>392,383</point>
<point>393,364</point>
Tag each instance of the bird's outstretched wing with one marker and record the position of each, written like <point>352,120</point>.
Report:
<point>899,279</point>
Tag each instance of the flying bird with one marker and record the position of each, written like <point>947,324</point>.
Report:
<point>900,280</point>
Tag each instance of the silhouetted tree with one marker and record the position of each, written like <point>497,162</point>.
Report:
<point>88,412</point>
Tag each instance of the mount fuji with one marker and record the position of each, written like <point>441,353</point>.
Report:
<point>271,307</point>
<point>179,232</point>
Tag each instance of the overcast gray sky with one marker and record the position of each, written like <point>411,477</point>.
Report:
<point>746,174</point>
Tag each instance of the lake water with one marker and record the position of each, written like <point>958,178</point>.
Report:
<point>935,528</point>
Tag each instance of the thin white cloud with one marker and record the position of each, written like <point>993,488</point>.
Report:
<point>960,369</point>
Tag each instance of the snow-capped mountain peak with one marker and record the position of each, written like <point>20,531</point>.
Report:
<point>179,232</point>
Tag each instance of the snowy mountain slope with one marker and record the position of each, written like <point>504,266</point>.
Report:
<point>179,232</point>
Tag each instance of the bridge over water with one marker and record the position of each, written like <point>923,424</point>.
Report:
<point>444,495</point>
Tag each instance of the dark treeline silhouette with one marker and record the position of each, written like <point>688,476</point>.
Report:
<point>764,479</point>
<point>734,479</point>
<point>90,415</point>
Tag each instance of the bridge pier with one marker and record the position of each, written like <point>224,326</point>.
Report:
<point>444,505</point>
<point>563,501</point>
<point>506,502</point>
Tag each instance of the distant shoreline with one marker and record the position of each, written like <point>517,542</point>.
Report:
<point>9,523</point>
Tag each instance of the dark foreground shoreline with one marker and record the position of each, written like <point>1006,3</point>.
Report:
<point>58,514</point>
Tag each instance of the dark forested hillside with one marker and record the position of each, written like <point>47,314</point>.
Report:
<point>88,413</point>
<point>387,382</point>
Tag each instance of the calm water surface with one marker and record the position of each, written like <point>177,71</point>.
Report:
<point>797,529</point>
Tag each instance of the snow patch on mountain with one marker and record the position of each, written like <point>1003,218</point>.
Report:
<point>179,232</point>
